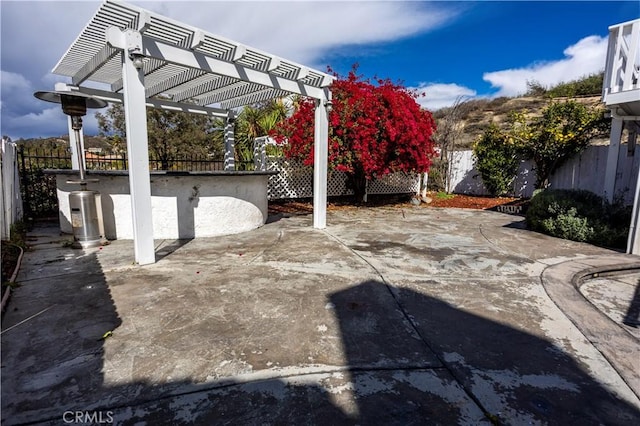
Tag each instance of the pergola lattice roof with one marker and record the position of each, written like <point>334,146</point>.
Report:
<point>183,63</point>
<point>148,59</point>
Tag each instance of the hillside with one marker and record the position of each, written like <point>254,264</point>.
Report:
<point>477,114</point>
<point>62,143</point>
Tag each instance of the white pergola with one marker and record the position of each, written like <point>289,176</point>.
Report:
<point>150,60</point>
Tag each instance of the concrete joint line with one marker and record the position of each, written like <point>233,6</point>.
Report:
<point>273,244</point>
<point>500,249</point>
<point>253,378</point>
<point>416,330</point>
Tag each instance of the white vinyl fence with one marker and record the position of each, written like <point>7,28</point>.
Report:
<point>10,201</point>
<point>585,171</point>
<point>295,180</point>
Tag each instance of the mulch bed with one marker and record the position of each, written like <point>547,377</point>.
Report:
<point>473,202</point>
<point>305,206</point>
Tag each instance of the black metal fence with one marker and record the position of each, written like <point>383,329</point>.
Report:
<point>39,198</point>
<point>39,195</point>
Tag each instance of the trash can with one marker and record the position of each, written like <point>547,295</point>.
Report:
<point>85,219</point>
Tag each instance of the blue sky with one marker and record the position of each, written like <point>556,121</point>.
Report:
<point>446,49</point>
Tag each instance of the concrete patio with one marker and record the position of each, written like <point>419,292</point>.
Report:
<point>389,316</point>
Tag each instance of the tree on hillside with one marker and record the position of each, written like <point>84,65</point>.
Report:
<point>171,134</point>
<point>111,125</point>
<point>588,85</point>
<point>174,135</point>
<point>375,128</point>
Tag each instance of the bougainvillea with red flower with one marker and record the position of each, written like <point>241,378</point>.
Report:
<point>375,128</point>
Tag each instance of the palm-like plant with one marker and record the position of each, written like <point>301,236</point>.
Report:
<point>255,121</point>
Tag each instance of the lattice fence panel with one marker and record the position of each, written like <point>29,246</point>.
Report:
<point>395,183</point>
<point>337,184</point>
<point>295,180</point>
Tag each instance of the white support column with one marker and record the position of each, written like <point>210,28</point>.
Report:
<point>422,186</point>
<point>72,144</point>
<point>260,153</point>
<point>229,143</point>
<point>320,157</point>
<point>138,152</point>
<point>633,242</point>
<point>612,159</point>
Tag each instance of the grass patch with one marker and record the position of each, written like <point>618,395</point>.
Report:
<point>444,196</point>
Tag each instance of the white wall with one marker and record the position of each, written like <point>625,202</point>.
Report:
<point>585,171</point>
<point>183,206</point>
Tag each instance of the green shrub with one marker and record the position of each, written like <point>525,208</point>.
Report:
<point>497,159</point>
<point>18,234</point>
<point>568,225</point>
<point>437,176</point>
<point>590,85</point>
<point>579,216</point>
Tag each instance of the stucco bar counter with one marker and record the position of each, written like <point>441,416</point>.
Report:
<point>184,204</point>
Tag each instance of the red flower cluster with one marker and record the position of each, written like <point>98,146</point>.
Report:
<point>374,129</point>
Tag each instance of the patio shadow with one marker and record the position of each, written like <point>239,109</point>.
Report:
<point>410,359</point>
<point>515,376</point>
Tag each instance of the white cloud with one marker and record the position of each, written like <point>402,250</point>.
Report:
<point>17,95</point>
<point>304,31</point>
<point>438,95</point>
<point>47,122</point>
<point>34,35</point>
<point>12,81</point>
<point>585,57</point>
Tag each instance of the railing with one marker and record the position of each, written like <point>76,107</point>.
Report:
<point>61,159</point>
<point>39,190</point>
<point>39,197</point>
<point>622,69</point>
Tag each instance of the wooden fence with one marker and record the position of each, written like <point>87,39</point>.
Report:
<point>10,199</point>
<point>585,171</point>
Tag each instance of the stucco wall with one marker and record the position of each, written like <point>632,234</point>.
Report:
<point>187,206</point>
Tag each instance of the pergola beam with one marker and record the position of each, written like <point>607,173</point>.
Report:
<point>149,68</point>
<point>172,82</point>
<point>253,98</point>
<point>239,87</point>
<point>214,83</point>
<point>158,103</point>
<point>156,49</point>
<point>103,56</point>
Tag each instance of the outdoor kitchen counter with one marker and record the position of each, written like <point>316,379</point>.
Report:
<point>184,204</point>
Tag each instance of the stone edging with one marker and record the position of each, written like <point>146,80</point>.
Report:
<point>562,283</point>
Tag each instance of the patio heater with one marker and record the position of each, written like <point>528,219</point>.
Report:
<point>86,216</point>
